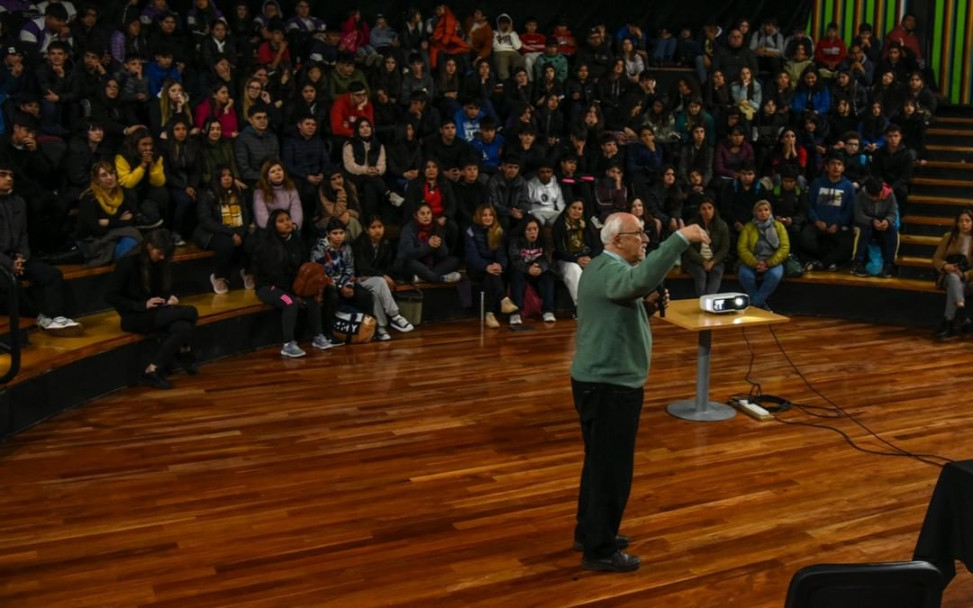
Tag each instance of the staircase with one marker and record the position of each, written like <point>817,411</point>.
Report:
<point>940,189</point>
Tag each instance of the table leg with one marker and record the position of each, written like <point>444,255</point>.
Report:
<point>701,409</point>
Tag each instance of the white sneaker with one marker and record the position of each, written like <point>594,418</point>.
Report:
<point>220,286</point>
<point>516,320</point>
<point>291,350</point>
<point>507,306</point>
<point>453,277</point>
<point>549,317</point>
<point>321,342</point>
<point>177,239</point>
<point>382,334</point>
<point>491,320</point>
<point>60,326</point>
<point>401,323</point>
<point>396,199</point>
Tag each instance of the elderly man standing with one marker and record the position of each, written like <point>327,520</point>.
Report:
<point>611,365</point>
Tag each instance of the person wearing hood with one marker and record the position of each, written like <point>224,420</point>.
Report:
<point>546,198</point>
<point>876,218</point>
<point>506,47</point>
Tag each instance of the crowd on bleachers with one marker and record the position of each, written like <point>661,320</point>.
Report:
<point>407,147</point>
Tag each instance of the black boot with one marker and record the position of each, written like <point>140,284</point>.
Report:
<point>946,329</point>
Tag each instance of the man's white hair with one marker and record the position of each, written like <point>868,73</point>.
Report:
<point>611,227</point>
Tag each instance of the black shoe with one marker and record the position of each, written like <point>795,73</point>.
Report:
<point>813,265</point>
<point>888,271</point>
<point>69,255</point>
<point>858,269</point>
<point>187,361</point>
<point>832,267</point>
<point>155,380</point>
<point>616,562</point>
<point>945,329</point>
<point>621,541</point>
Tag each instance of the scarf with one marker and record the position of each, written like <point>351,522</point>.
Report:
<point>768,241</point>
<point>109,200</point>
<point>575,235</point>
<point>231,212</point>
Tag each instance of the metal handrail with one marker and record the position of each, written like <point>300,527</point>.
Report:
<point>11,286</point>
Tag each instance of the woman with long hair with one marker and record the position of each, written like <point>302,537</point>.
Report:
<point>338,199</point>
<point>217,151</point>
<point>363,157</point>
<point>530,264</point>
<point>747,93</point>
<point>219,106</point>
<point>486,262</point>
<point>705,262</point>
<point>634,64</point>
<point>280,254</point>
<point>224,226</point>
<point>789,152</point>
<point>106,218</point>
<point>449,86</point>
<point>275,190</point>
<point>953,261</point>
<point>183,176</point>
<point>140,290</point>
<point>173,101</point>
<point>575,243</point>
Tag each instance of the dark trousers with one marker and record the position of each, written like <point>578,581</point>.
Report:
<point>47,282</point>
<point>544,284</point>
<point>47,222</point>
<point>289,305</point>
<point>889,240</point>
<point>609,416</point>
<point>361,301</point>
<point>493,289</point>
<point>226,253</point>
<point>826,247</point>
<point>175,322</point>
<point>433,274</point>
<point>180,204</point>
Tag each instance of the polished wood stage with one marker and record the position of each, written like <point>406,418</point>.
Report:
<point>440,469</point>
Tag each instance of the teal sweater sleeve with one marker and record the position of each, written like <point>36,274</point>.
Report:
<point>613,341</point>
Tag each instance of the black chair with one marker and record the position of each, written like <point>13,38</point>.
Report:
<point>882,585</point>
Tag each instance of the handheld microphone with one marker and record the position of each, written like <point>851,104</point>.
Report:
<point>661,290</point>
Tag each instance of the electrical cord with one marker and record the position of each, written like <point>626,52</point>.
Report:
<point>833,412</point>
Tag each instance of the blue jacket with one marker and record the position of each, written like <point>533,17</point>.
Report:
<point>832,202</point>
<point>478,252</point>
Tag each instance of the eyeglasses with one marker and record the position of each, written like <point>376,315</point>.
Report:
<point>637,233</point>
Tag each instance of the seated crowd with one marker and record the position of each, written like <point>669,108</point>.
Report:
<point>406,153</point>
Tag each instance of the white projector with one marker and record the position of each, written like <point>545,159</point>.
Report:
<point>724,302</point>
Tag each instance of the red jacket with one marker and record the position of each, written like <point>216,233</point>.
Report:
<point>344,113</point>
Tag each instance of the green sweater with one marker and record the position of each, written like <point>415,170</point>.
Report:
<point>613,338</point>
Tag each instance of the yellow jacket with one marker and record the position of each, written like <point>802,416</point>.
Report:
<point>747,245</point>
<point>131,178</point>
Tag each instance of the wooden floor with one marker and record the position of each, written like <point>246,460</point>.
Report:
<point>441,469</point>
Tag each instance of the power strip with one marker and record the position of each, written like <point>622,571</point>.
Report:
<point>751,409</point>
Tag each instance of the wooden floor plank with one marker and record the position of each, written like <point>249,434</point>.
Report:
<point>441,469</point>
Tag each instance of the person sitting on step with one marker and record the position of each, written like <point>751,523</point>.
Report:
<point>140,290</point>
<point>15,256</point>
<point>954,262</point>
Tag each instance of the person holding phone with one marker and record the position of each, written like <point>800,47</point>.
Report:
<point>140,290</point>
